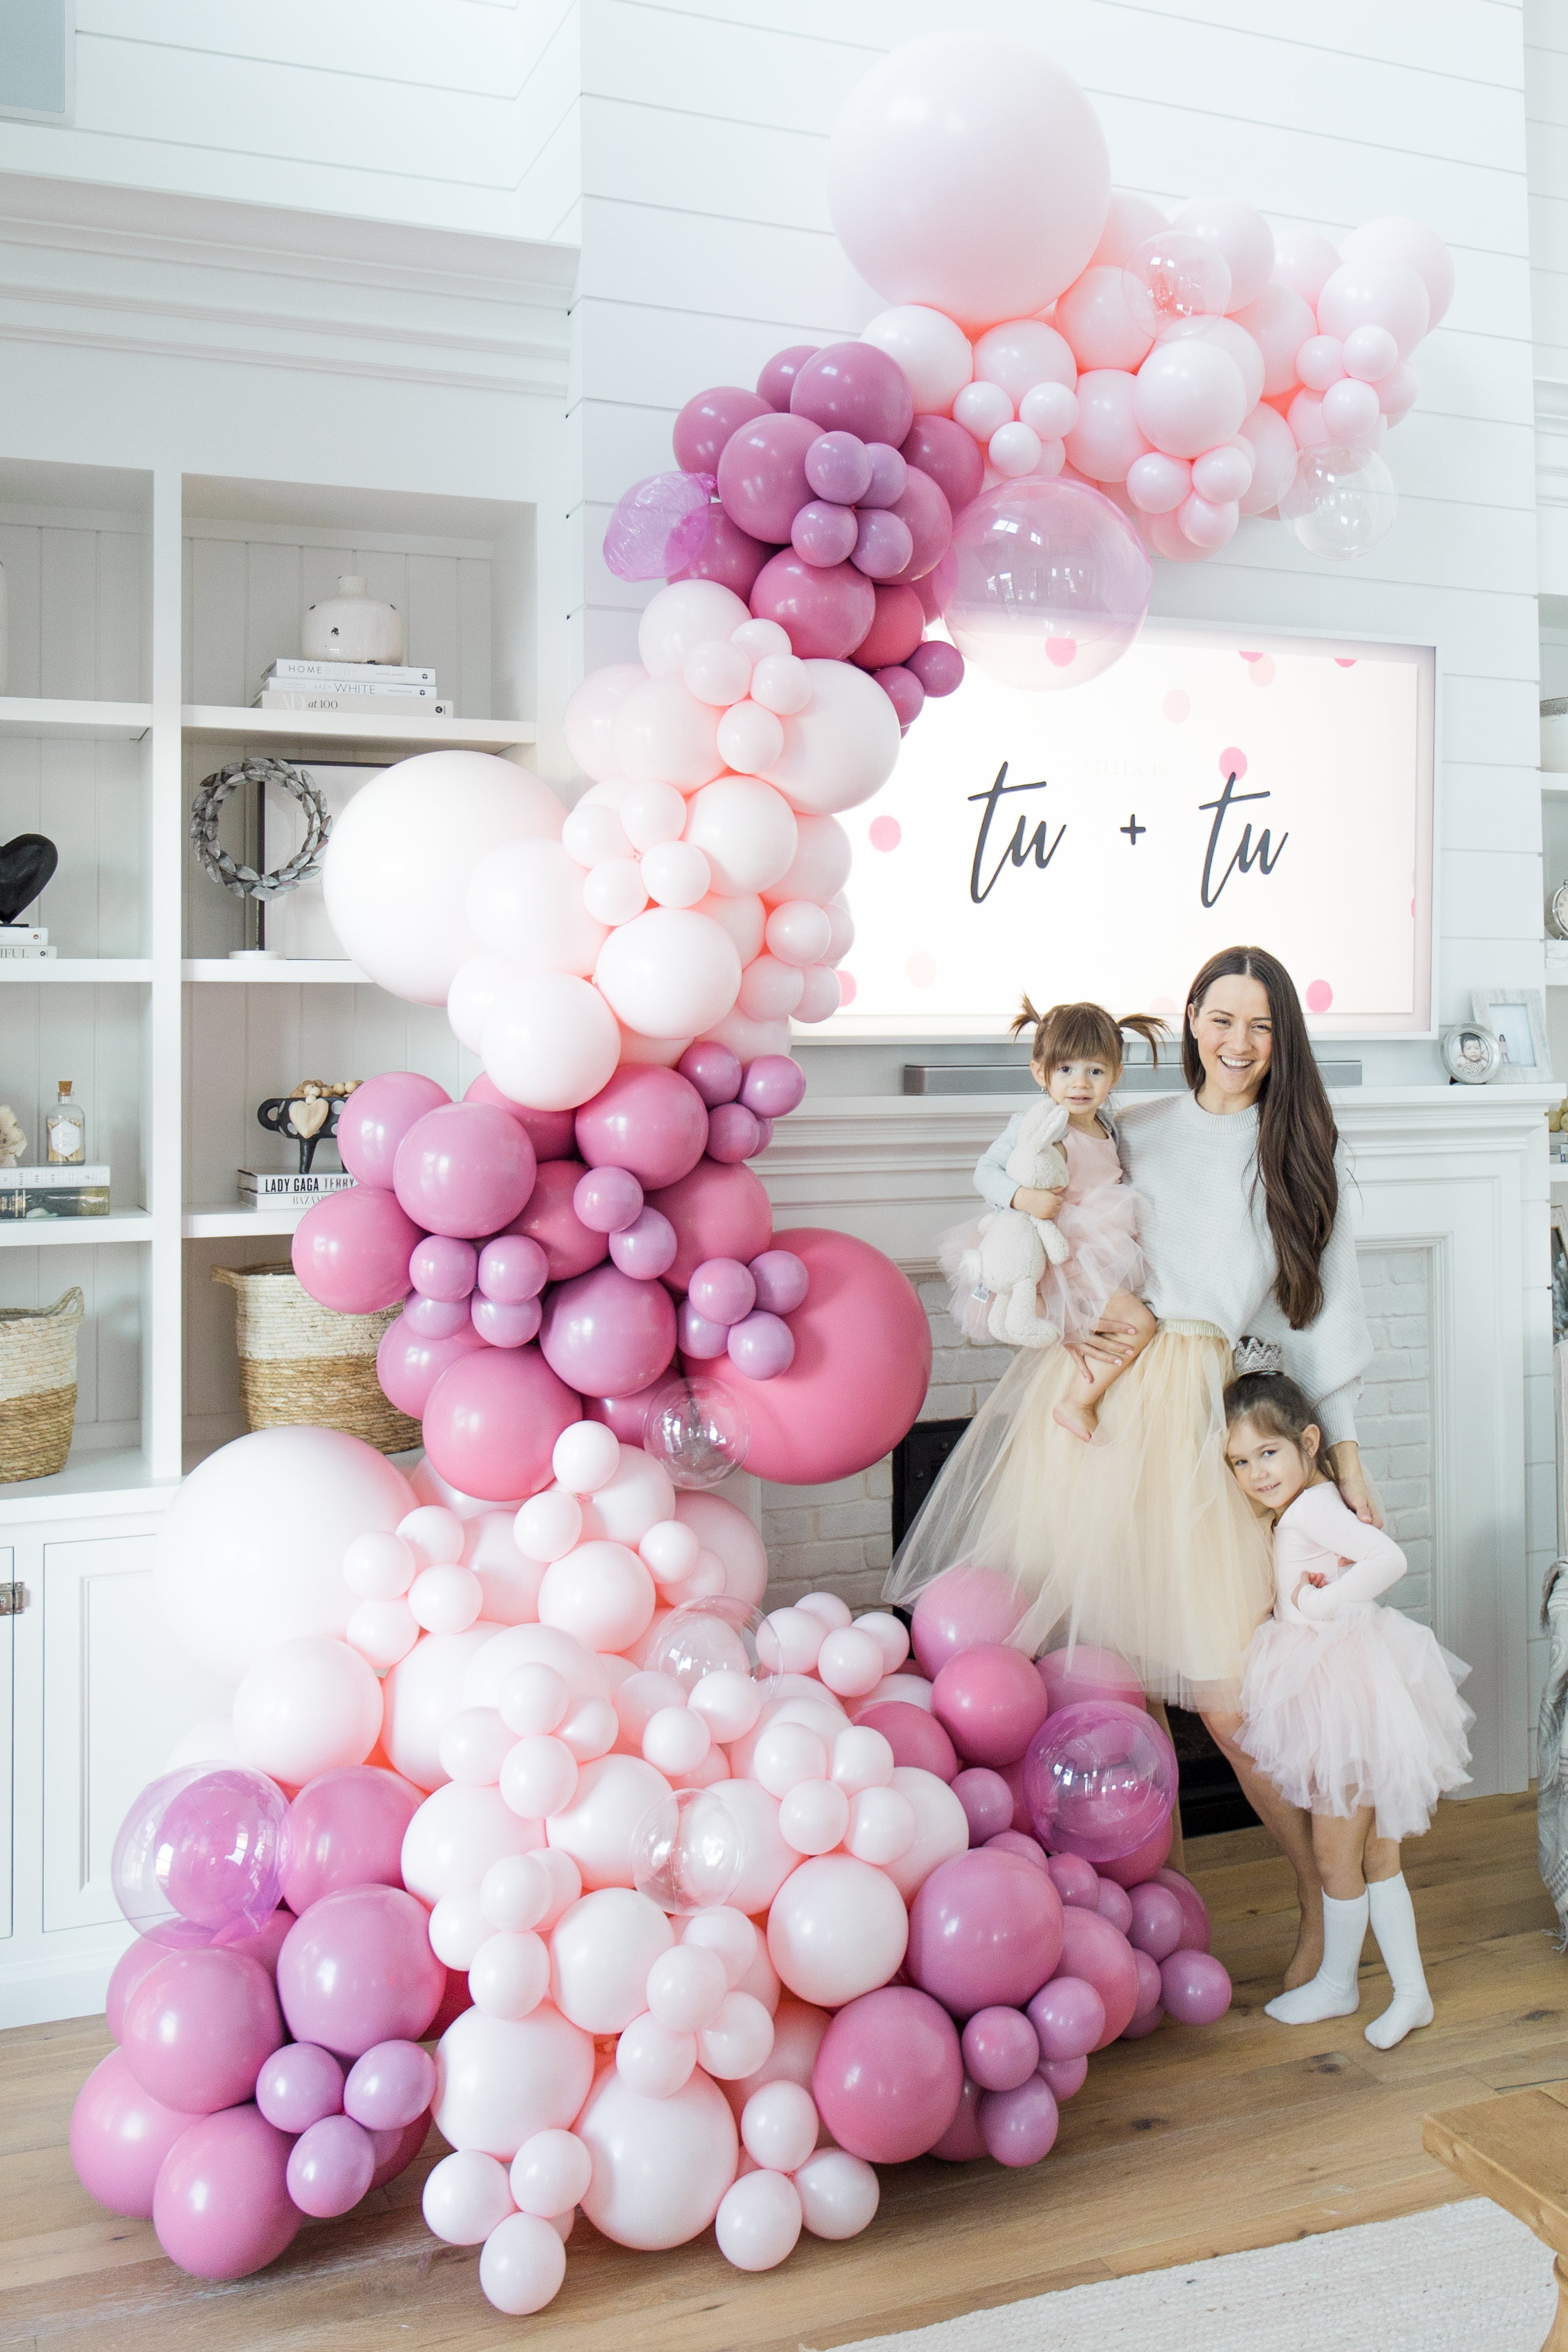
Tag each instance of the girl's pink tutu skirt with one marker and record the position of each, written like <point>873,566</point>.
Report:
<point>1101,1229</point>
<point>1361,1709</point>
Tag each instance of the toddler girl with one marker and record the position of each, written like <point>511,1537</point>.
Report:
<point>1351,1710</point>
<point>1076,1058</point>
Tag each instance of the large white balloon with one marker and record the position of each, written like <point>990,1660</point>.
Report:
<point>304,1707</point>
<point>722,1527</point>
<point>941,1827</point>
<point>250,1550</point>
<point>525,903</point>
<point>671,973</point>
<point>403,853</point>
<point>688,614</point>
<point>838,1928</point>
<point>614,1795</point>
<point>842,747</point>
<point>600,1953</point>
<point>456,1834</point>
<point>499,2080</point>
<point>549,1040</point>
<point>420,1695</point>
<point>660,2165</point>
<point>747,832</point>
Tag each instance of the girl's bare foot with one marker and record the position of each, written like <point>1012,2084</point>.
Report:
<point>1308,1956</point>
<point>1083,1420</point>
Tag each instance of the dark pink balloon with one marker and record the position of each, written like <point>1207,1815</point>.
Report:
<point>453,2001</point>
<point>713,1070</point>
<point>549,1131</point>
<point>550,1220</point>
<point>197,2028</point>
<point>961,2142</point>
<point>391,2086</point>
<point>492,1419</point>
<point>915,1735</point>
<point>826,609</point>
<point>1017,1841</point>
<point>330,2167</point>
<point>948,455</point>
<point>1069,2017</point>
<point>357,1968</point>
<point>395,2151</point>
<point>988,1803</point>
<point>119,2136</point>
<point>1019,2127</point>
<point>1194,1909</point>
<point>938,665</point>
<point>1013,1775</point>
<point>985,1931</point>
<point>1149,1986</point>
<point>299,2086</point>
<point>716,1211</point>
<point>838,468</point>
<point>824,534</point>
<point>706,422</point>
<point>760,1345</point>
<point>781,1281</point>
<point>1093,1949</point>
<point>1113,1903</point>
<point>267,1941</point>
<point>777,380</point>
<point>1075,1880</point>
<point>433,1319</point>
<point>608,1200</point>
<point>733,1133</point>
<point>904,691</point>
<point>606,1334</point>
<point>990,1702</point>
<point>513,1268</point>
<point>651,1122</point>
<point>923,509</point>
<point>444,1268</point>
<point>897,629</point>
<point>409,1364</point>
<point>884,546</point>
<point>1197,1989</point>
<point>221,2208</point>
<point>346,1828</point>
<point>626,1415</point>
<point>762,475</point>
<point>466,1170</point>
<point>854,388</point>
<point>1144,1862</point>
<point>1065,2076</point>
<point>731,556</point>
<point>129,1970</point>
<point>1158,1925</point>
<point>1000,2048</point>
<point>646,1247</point>
<point>351,1250</point>
<point>774,1085</point>
<point>505,1326</point>
<point>964,1605</point>
<point>376,1117</point>
<point>888,2075</point>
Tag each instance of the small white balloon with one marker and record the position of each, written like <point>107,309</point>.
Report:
<point>614,890</point>
<point>669,1551</point>
<point>522,2264</point>
<point>640,1698</point>
<point>458,1925</point>
<point>882,1826</point>
<point>787,1754</point>
<point>758,2220</point>
<point>716,671</point>
<point>686,1988</point>
<point>591,1730</point>
<point>676,1741</point>
<point>889,1633</point>
<point>738,2040</point>
<point>830,1609</point>
<point>781,683</point>
<point>465,2198</point>
<point>515,1894</point>
<point>550,2173</point>
<point>534,1699</point>
<point>814,1817</point>
<point>653,2061</point>
<point>446,1599</point>
<point>788,1640</point>
<point>778,2126</point>
<point>434,1534</point>
<point>674,874</point>
<point>379,1565</point>
<point>539,1778</point>
<point>510,1974</point>
<point>749,738</point>
<point>861,1758</point>
<point>839,2193</point>
<point>383,1632</point>
<point>472,1745</point>
<point>728,1701</point>
<point>760,639</point>
<point>729,1934</point>
<point>586,1457</point>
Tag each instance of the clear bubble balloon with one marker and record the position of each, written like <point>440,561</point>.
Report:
<point>1173,276</point>
<point>698,1430</point>
<point>687,1852</point>
<point>1051,583</point>
<point>1098,1780</point>
<point>1340,501</point>
<point>707,1637</point>
<point>198,1856</point>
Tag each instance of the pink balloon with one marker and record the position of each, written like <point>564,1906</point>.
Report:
<point>964,1606</point>
<point>351,1250</point>
<point>985,1930</point>
<point>961,2142</point>
<point>465,1169</point>
<point>1091,1948</point>
<point>706,422</point>
<point>513,1269</point>
<point>376,1116</point>
<point>626,1415</point>
<point>129,1970</point>
<point>1101,1780</point>
<point>119,2136</point>
<point>988,1803</point>
<point>1197,1989</point>
<point>1001,2049</point>
<point>606,1334</point>
<point>1085,1672</point>
<point>330,2167</point>
<point>1075,1880</point>
<point>390,2087</point>
<point>1376,291</point>
<point>357,1968</point>
<point>762,474</point>
<point>989,1701</point>
<point>433,1319</point>
<point>264,1947</point>
<point>915,1735</point>
<point>1112,1903</point>
<point>945,454</point>
<point>221,2208</point>
<point>1278,322</point>
<point>1273,446</point>
<point>825,608</point>
<point>549,1131</point>
<point>549,1219</point>
<point>1144,1862</point>
<point>1158,1923</point>
<point>1019,1841</point>
<point>409,1364</point>
<point>395,2151</point>
<point>197,2028</point>
<point>492,1419</point>
<point>649,1121</point>
<point>888,2075</point>
<point>1107,437</point>
<point>645,1248</point>
<point>1068,2016</point>
<point>1064,2077</point>
<point>346,1828</point>
<point>505,1326</point>
<point>1195,1910</point>
<point>1019,2127</point>
<point>299,2086</point>
<point>444,1270</point>
<point>734,1133</point>
<point>607,1200</point>
<point>1093,316</point>
<point>716,1211</point>
<point>896,629</point>
<point>822,533</point>
<point>730,557</point>
<point>854,388</point>
<point>713,1070</point>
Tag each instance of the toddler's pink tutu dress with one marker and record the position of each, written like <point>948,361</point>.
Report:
<point>1345,1703</point>
<point>1098,1219</point>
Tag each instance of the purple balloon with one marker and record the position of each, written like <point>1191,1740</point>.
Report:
<point>346,1828</point>
<point>961,2142</point>
<point>839,468</point>
<point>762,475</point>
<point>733,1132</point>
<point>781,1281</point>
<point>433,1319</point>
<point>607,1200</point>
<point>1146,2023</point>
<point>1194,1910</point>
<point>713,1070</point>
<point>357,1968</point>
<point>1113,1903</point>
<point>761,1346</point>
<point>888,2075</point>
<point>778,378</point>
<point>351,1250</point>
<point>1019,2127</point>
<point>938,665</point>
<point>649,1121</point>
<point>1069,2017</point>
<point>512,1269</point>
<point>646,1247</point>
<point>606,1334</point>
<point>330,2167</point>
<point>854,388</point>
<point>706,422</point>
<point>722,1289</point>
<point>1196,1987</point>
<point>408,1364</point>
<point>197,1858</point>
<point>904,691</point>
<point>988,1803</point>
<point>1001,2049</point>
<point>391,2086</point>
<point>1100,1780</point>
<point>889,476</point>
<point>1016,1842</point>
<point>964,1605</point>
<point>299,2086</point>
<point>198,2027</point>
<point>376,1117</point>
<point>659,525</point>
<point>505,1326</point>
<point>465,1169</point>
<point>1157,1926</point>
<point>823,534</point>
<point>1065,2077</point>
<point>696,1336</point>
<point>221,2208</point>
<point>119,2136</point>
<point>444,1268</point>
<point>1075,1880</point>
<point>773,1085</point>
<point>985,1931</point>
<point>883,544</point>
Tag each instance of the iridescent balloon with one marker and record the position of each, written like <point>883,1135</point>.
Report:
<point>1340,501</point>
<point>660,526</point>
<point>198,1856</point>
<point>1098,1780</point>
<point>706,1637</point>
<point>1050,583</point>
<point>698,1430</point>
<point>1173,276</point>
<point>687,1852</point>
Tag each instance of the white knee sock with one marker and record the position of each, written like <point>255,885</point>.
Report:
<point>1333,1991</point>
<point>1394,1925</point>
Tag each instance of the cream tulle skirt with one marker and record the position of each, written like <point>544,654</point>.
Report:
<point>1141,1542</point>
<point>1361,1709</point>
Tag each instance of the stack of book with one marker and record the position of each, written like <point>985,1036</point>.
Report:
<point>272,1188</point>
<point>69,1191</point>
<point>364,689</point>
<point>24,940</point>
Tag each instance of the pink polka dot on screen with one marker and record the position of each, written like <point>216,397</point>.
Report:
<point>1252,657</point>
<point>1319,996</point>
<point>1164,1008</point>
<point>921,969</point>
<point>1344,661</point>
<point>1177,706</point>
<point>847,992</point>
<point>1233,762</point>
<point>1061,651</point>
<point>884,833</point>
<point>1262,670</point>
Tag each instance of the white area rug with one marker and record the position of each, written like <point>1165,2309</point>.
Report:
<point>1464,2278</point>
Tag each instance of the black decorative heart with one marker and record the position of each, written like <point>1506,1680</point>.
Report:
<point>26,865</point>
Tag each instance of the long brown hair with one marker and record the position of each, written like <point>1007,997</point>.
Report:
<point>1085,1032</point>
<point>1296,1130</point>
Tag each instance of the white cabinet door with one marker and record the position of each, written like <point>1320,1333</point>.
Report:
<point>7,1750</point>
<point>117,1693</point>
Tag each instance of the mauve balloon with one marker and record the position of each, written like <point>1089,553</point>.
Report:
<point>444,1268</point>
<point>706,422</point>
<point>608,1200</point>
<point>889,475</point>
<point>854,388</point>
<point>433,1319</point>
<point>923,508</point>
<point>722,1289</point>
<point>938,665</point>
<point>896,631</point>
<point>221,2208</point>
<point>299,2086</point>
<point>129,1970</point>
<point>733,1133</point>
<point>777,380</point>
<point>1000,2048</point>
<point>330,2167</point>
<point>884,546</point>
<point>550,1220</point>
<point>505,1326</point>
<point>1093,1949</point>
<point>948,455</point>
<point>697,1336</point>
<point>626,1415</point>
<point>731,556</point>
<point>1019,2127</point>
<point>1158,1924</point>
<point>1197,1989</point>
<point>390,2087</point>
<point>915,1735</point>
<point>761,1346</point>
<point>905,692</point>
<point>961,2142</point>
<point>826,609</point>
<point>119,2136</point>
<point>409,1362</point>
<point>651,1122</point>
<point>549,1131</point>
<point>824,534</point>
<point>1069,2017</point>
<point>465,1169</point>
<point>645,1248</point>
<point>513,1268</point>
<point>197,2028</point>
<point>985,1930</point>
<point>716,1211</point>
<point>988,1803</point>
<point>376,1117</point>
<point>606,1334</point>
<point>1075,1880</point>
<point>888,2075</point>
<point>351,1250</point>
<point>762,475</point>
<point>774,1085</point>
<point>713,1070</point>
<point>838,468</point>
<point>1195,1911</point>
<point>492,1419</point>
<point>781,1281</point>
<point>357,1968</point>
<point>346,1828</point>
<point>1019,1842</point>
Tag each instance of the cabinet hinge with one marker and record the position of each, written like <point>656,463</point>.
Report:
<point>13,1599</point>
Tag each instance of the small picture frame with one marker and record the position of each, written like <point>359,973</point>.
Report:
<point>1517,1019</point>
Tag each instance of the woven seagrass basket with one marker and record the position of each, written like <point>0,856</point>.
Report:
<point>300,1362</point>
<point>38,1386</point>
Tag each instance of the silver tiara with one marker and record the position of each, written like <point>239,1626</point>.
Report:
<point>1257,1356</point>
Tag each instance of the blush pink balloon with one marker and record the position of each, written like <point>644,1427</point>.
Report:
<point>985,1931</point>
<point>408,1364</point>
<point>549,1219</point>
<point>888,2075</point>
<point>299,2086</point>
<point>492,1419</point>
<point>376,1116</point>
<point>346,1828</point>
<point>197,2028</point>
<point>351,1250</point>
<point>464,1170</point>
<point>990,1702</point>
<point>1091,1948</point>
<point>962,1607</point>
<point>826,608</point>
<point>1196,1988</point>
<point>1019,2127</point>
<point>1190,395</point>
<point>1069,2017</point>
<point>716,1211</point>
<point>549,1131</point>
<point>1107,438</point>
<point>651,1122</point>
<point>915,1735</point>
<point>1094,316</point>
<point>357,1968</point>
<point>1085,1672</point>
<point>221,2208</point>
<point>607,1334</point>
<point>119,2136</point>
<point>762,474</point>
<point>706,422</point>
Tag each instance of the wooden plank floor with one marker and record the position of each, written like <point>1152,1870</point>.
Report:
<point>1186,2145</point>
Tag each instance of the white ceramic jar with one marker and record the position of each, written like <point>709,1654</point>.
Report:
<point>351,627</point>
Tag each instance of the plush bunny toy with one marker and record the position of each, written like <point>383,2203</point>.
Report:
<point>1014,1249</point>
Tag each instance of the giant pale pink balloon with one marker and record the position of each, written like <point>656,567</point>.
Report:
<point>358,1970</point>
<point>718,1211</point>
<point>862,1361</point>
<point>606,1334</point>
<point>221,2208</point>
<point>119,2136</point>
<point>985,1931</point>
<point>888,2075</point>
<point>197,2028</point>
<point>651,1122</point>
<point>376,1117</point>
<point>492,1421</point>
<point>351,1250</point>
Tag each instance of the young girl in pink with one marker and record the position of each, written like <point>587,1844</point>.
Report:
<point>1352,1711</point>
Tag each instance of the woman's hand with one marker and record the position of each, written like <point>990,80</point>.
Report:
<point>1033,1202</point>
<point>1345,1460</point>
<point>1108,1347</point>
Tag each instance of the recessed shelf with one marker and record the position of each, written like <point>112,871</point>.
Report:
<point>46,1232</point>
<point>210,723</point>
<point>288,972</point>
<point>35,971</point>
<point>96,1479</point>
<point>119,722</point>
<point>229,1225</point>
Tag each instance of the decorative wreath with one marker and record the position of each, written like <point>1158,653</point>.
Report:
<point>244,880</point>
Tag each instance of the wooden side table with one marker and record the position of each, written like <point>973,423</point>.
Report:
<point>1514,2149</point>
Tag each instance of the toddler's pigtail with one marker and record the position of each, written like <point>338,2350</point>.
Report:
<point>1026,1018</point>
<point>1153,1031</point>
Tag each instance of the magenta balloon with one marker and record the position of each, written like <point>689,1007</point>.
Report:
<point>513,1269</point>
<point>948,455</point>
<point>1113,1903</point>
<point>1101,1780</point>
<point>706,422</point>
<point>1069,2017</point>
<point>128,1972</point>
<point>357,1968</point>
<point>762,475</point>
<point>1019,2127</point>
<point>985,1929</point>
<point>549,1131</point>
<point>904,691</point>
<point>1019,1842</point>
<point>346,1828</point>
<point>376,1117</point>
<point>777,377</point>
<point>444,1268</point>
<point>1085,1672</point>
<point>505,1326</point>
<point>961,2142</point>
<point>299,2086</point>
<point>760,1345</point>
<point>608,1200</point>
<point>492,1419</point>
<point>550,1220</point>
<point>1197,1989</point>
<point>651,1122</point>
<point>938,665</point>
<point>774,1085</point>
<point>330,2167</point>
<point>1075,1880</point>
<point>221,2208</point>
<point>716,1211</point>
<point>730,556</point>
<point>351,1250</point>
<point>1159,1926</point>
<point>197,2028</point>
<point>733,1133</point>
<point>988,1803</point>
<point>1000,2048</point>
<point>119,2136</point>
<point>1149,1985</point>
<point>466,1170</point>
<point>854,388</point>
<point>713,1070</point>
<point>1093,1949</point>
<point>889,475</point>
<point>433,1318</point>
<point>409,1364</point>
<point>605,1333</point>
<point>884,546</point>
<point>781,1281</point>
<point>1065,2076</point>
<point>838,468</point>
<point>646,1247</point>
<point>923,509</point>
<point>722,1289</point>
<point>659,524</point>
<point>915,1735</point>
<point>1194,1910</point>
<point>964,1605</point>
<point>1130,1869</point>
<point>990,1702</point>
<point>626,1415</point>
<point>888,2076</point>
<point>826,609</point>
<point>390,2087</point>
<point>824,534</point>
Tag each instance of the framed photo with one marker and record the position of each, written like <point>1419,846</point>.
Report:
<point>1517,1019</point>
